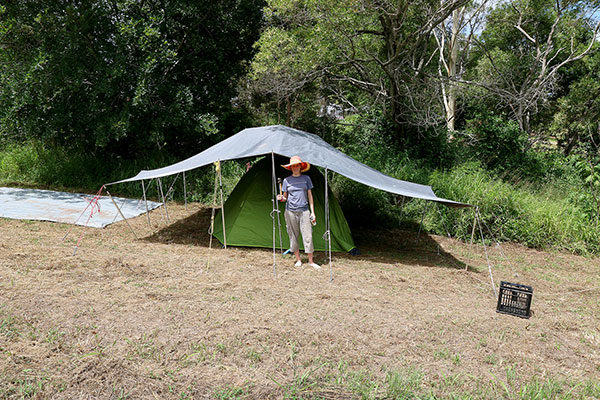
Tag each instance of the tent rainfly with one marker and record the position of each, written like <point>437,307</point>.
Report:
<point>285,141</point>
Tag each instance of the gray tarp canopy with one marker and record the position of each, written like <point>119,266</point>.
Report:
<point>289,142</point>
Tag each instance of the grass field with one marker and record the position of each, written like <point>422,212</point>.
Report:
<point>149,318</point>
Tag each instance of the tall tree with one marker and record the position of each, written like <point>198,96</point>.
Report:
<point>453,39</point>
<point>384,49</point>
<point>122,75</point>
<point>525,45</point>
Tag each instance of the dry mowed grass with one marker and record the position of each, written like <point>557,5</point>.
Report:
<point>148,318</point>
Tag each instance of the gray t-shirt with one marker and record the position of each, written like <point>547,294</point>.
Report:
<point>297,187</point>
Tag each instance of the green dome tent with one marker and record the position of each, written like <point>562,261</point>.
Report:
<point>248,209</point>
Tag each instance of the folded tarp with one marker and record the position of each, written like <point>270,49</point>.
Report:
<point>288,142</point>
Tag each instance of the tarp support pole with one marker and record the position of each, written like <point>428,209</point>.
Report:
<point>146,202</point>
<point>122,216</point>
<point>74,223</point>
<point>211,229</point>
<point>99,193</point>
<point>184,192</point>
<point>274,201</point>
<point>117,214</point>
<point>485,250</point>
<point>474,225</point>
<point>222,205</point>
<point>172,186</point>
<point>164,200</point>
<point>437,206</point>
<point>277,190</point>
<point>328,224</point>
<point>421,224</point>
<point>162,196</point>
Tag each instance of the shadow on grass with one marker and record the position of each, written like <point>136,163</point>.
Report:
<point>386,246</point>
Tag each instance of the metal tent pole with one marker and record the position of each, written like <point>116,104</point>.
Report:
<point>164,200</point>
<point>172,186</point>
<point>99,193</point>
<point>278,186</point>
<point>184,192</point>
<point>486,253</point>
<point>211,229</point>
<point>222,206</point>
<point>274,201</point>
<point>117,214</point>
<point>328,223</point>
<point>146,202</point>
<point>421,224</point>
<point>163,207</point>
<point>474,225</point>
<point>122,216</point>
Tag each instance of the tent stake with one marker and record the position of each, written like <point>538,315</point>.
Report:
<point>486,253</point>
<point>164,201</point>
<point>146,202</point>
<point>122,216</point>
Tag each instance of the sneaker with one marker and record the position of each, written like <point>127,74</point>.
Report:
<point>298,264</point>
<point>315,266</point>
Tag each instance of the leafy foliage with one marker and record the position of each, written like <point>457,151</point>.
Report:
<point>123,76</point>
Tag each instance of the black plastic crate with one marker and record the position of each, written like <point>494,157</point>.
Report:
<point>514,299</point>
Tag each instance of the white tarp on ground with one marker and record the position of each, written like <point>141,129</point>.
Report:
<point>47,205</point>
<point>288,142</point>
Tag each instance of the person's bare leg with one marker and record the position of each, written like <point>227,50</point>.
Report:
<point>297,254</point>
<point>312,263</point>
<point>298,261</point>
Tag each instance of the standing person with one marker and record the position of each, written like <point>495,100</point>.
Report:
<point>299,209</point>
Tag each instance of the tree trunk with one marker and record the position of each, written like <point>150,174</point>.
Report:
<point>452,63</point>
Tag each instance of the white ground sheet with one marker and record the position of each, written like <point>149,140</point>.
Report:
<point>47,205</point>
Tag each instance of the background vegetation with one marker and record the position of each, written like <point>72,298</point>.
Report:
<point>492,103</point>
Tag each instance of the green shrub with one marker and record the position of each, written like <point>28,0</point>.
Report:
<point>538,217</point>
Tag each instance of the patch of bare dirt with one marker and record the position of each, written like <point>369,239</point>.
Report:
<point>152,318</point>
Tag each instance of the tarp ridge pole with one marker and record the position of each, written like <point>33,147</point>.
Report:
<point>328,223</point>
<point>184,192</point>
<point>146,203</point>
<point>486,253</point>
<point>222,205</point>
<point>122,216</point>
<point>164,201</point>
<point>421,224</point>
<point>274,201</point>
